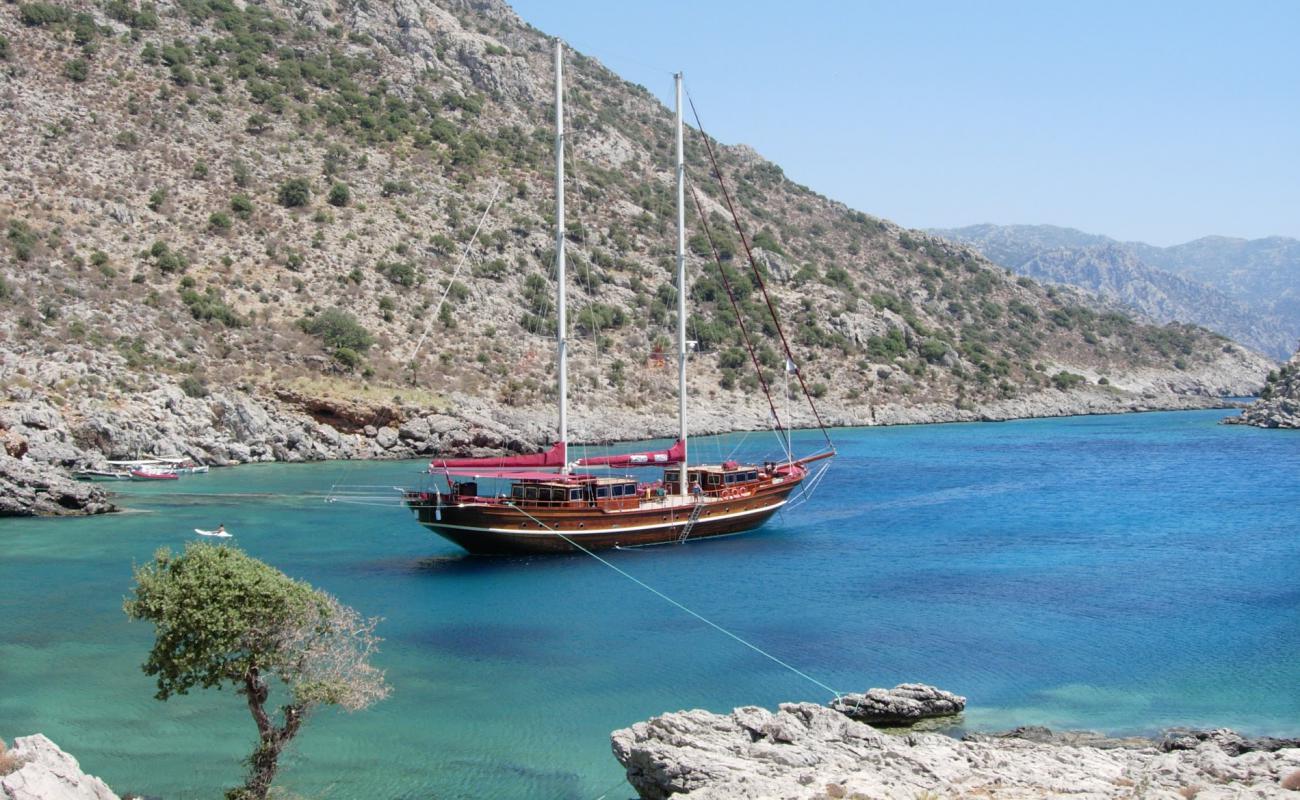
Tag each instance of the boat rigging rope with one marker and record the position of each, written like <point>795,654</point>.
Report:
<point>753,265</point>
<point>463,256</point>
<point>735,307</point>
<point>683,607</point>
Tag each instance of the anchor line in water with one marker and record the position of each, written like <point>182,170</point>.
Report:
<point>683,607</point>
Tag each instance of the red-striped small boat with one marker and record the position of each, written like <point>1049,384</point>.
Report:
<point>152,475</point>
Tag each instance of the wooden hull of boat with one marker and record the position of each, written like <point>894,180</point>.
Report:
<point>501,529</point>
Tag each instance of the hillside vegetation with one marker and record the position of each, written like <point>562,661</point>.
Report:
<point>214,194</point>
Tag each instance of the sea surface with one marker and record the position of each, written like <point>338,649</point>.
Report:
<point>1120,573</point>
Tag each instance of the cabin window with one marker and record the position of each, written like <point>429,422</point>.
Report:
<point>731,478</point>
<point>530,492</point>
<point>602,491</point>
<point>751,476</point>
<point>629,490</point>
<point>672,476</point>
<point>517,492</point>
<point>575,494</point>
<point>715,480</point>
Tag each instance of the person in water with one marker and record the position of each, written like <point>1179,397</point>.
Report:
<point>221,529</point>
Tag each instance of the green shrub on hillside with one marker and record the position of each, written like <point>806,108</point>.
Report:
<point>210,306</point>
<point>339,195</point>
<point>194,386</point>
<point>242,206</point>
<point>1065,381</point>
<point>600,317</point>
<point>22,238</point>
<point>76,70</point>
<point>40,14</point>
<point>339,331</point>
<point>933,350</point>
<point>257,123</point>
<point>219,221</point>
<point>887,347</point>
<point>166,259</point>
<point>403,273</point>
<point>146,18</point>
<point>4,49</point>
<point>294,193</point>
<point>766,240</point>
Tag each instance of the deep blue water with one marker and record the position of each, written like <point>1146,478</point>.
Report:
<point>1121,573</point>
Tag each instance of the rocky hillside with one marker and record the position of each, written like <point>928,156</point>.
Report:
<point>268,203</point>
<point>1247,290</point>
<point>1258,271</point>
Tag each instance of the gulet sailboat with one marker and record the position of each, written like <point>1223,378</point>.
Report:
<point>554,504</point>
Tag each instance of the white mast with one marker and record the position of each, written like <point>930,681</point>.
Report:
<point>681,284</point>
<point>561,344</point>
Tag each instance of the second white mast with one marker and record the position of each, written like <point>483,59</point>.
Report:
<point>561,343</point>
<point>681,283</point>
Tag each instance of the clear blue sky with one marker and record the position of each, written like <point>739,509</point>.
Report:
<point>1159,122</point>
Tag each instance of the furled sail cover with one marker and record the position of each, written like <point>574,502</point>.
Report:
<point>653,458</point>
<point>551,458</point>
<point>512,474</point>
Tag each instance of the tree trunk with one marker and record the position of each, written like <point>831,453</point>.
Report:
<point>271,739</point>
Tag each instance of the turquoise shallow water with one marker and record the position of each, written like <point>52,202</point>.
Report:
<point>1121,573</point>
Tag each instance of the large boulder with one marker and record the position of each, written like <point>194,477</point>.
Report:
<point>905,704</point>
<point>48,773</point>
<point>29,488</point>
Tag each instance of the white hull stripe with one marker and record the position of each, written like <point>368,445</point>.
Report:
<point>580,532</point>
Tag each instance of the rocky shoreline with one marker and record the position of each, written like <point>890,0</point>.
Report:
<point>36,769</point>
<point>806,750</point>
<point>1279,402</point>
<point>42,444</point>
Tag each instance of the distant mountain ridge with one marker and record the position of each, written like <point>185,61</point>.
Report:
<point>1246,289</point>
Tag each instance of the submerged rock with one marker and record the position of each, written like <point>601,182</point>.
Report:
<point>48,773</point>
<point>904,704</point>
<point>805,750</point>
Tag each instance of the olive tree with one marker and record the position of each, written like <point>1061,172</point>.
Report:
<point>223,618</point>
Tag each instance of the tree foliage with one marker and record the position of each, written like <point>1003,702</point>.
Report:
<point>224,618</point>
<point>341,333</point>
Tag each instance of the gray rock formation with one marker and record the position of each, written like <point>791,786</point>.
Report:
<point>904,704</point>
<point>1279,403</point>
<point>1230,742</point>
<point>806,750</point>
<point>48,773</point>
<point>28,488</point>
